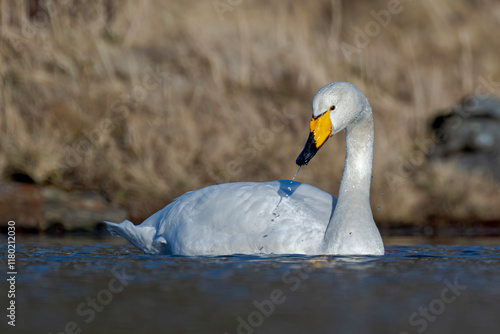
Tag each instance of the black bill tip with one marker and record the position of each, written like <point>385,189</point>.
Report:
<point>308,152</point>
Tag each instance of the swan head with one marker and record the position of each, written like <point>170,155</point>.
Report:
<point>335,106</point>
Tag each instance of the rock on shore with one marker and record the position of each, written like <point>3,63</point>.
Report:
<point>39,208</point>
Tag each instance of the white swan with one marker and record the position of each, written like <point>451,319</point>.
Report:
<point>279,217</point>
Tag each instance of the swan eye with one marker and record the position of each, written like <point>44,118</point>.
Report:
<point>332,108</point>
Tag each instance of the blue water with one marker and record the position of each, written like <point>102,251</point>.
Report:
<point>107,286</point>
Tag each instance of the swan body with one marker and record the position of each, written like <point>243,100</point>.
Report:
<point>279,217</point>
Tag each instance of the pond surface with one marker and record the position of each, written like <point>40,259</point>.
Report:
<point>85,285</point>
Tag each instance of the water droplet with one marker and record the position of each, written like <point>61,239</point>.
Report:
<point>277,205</point>
<point>296,174</point>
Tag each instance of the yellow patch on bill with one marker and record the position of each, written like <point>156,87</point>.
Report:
<point>321,126</point>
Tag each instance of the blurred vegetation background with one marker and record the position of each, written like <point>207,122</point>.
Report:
<point>144,100</point>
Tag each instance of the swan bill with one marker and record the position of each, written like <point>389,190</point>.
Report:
<point>321,129</point>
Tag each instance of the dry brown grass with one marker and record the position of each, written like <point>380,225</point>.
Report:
<point>147,100</point>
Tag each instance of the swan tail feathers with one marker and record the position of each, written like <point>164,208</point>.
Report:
<point>142,237</point>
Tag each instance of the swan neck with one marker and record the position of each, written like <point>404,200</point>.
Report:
<point>358,161</point>
<point>353,211</point>
<point>351,229</point>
